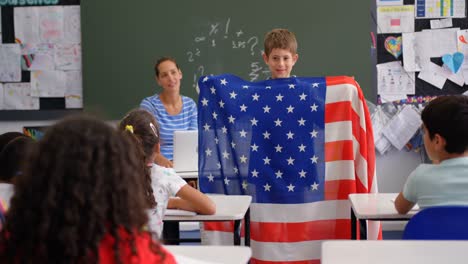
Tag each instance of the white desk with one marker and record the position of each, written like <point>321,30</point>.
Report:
<point>374,206</point>
<point>394,251</point>
<point>188,174</point>
<point>228,208</point>
<point>212,254</point>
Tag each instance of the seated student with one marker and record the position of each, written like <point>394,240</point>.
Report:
<point>13,148</point>
<point>80,200</point>
<point>166,184</point>
<point>445,124</point>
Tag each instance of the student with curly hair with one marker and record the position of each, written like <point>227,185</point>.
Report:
<point>165,183</point>
<point>13,152</point>
<point>80,200</point>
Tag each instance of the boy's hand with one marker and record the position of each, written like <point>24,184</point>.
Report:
<point>163,161</point>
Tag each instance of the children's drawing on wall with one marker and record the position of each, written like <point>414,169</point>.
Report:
<point>48,49</point>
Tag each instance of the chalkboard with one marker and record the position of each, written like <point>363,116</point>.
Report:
<point>122,39</point>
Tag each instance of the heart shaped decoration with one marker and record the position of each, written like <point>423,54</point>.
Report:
<point>393,46</point>
<point>453,62</point>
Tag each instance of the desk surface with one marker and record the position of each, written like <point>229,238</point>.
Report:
<point>377,206</point>
<point>394,251</point>
<point>228,207</point>
<point>211,254</point>
<point>188,174</point>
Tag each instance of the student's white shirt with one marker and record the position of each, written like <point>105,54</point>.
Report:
<point>165,183</point>
<point>6,192</point>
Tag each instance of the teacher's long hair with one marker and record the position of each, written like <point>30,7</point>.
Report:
<point>84,181</point>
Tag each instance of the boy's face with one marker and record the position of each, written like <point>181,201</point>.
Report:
<point>280,62</point>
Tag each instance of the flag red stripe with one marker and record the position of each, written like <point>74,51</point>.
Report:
<point>339,189</point>
<point>297,232</point>
<point>291,232</point>
<point>335,80</point>
<point>257,261</point>
<point>339,150</point>
<point>338,111</point>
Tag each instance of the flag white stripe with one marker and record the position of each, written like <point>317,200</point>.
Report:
<point>342,93</point>
<point>269,251</point>
<point>321,210</point>
<point>339,170</point>
<point>274,251</point>
<point>336,131</point>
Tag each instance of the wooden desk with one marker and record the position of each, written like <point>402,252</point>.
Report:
<point>374,206</point>
<point>228,208</point>
<point>211,254</point>
<point>394,251</point>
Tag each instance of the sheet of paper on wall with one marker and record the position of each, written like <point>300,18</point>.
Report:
<point>442,41</point>
<point>415,52</point>
<point>1,95</point>
<point>433,74</point>
<point>37,56</point>
<point>26,21</point>
<point>17,96</point>
<point>72,24</point>
<point>39,24</point>
<point>48,83</point>
<point>389,2</point>
<point>379,120</point>
<point>441,23</point>
<point>438,8</point>
<point>10,63</point>
<point>392,79</point>
<point>462,46</point>
<point>1,41</point>
<point>68,56</point>
<point>401,128</point>
<point>419,47</point>
<point>444,73</point>
<point>395,19</point>
<point>74,90</point>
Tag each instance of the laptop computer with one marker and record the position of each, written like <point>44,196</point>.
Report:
<point>185,156</point>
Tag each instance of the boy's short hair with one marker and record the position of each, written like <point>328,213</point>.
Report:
<point>280,38</point>
<point>448,117</point>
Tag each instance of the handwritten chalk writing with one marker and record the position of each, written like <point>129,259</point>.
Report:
<point>200,39</point>
<point>254,71</point>
<point>239,33</point>
<point>214,29</point>
<point>226,31</point>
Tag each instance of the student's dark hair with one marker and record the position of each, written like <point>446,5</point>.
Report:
<point>448,117</point>
<point>161,60</point>
<point>141,126</point>
<point>13,156</point>
<point>80,184</point>
<point>280,38</point>
<point>5,138</point>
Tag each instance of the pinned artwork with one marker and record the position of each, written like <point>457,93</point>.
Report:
<point>453,61</point>
<point>393,46</point>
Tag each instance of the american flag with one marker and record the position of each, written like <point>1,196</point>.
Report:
<point>298,146</point>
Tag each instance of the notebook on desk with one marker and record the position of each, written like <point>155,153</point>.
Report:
<point>185,156</point>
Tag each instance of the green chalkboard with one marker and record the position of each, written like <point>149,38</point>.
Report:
<point>122,39</point>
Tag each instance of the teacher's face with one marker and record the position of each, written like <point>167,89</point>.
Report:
<point>169,76</point>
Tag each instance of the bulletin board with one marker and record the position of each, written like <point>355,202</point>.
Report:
<point>424,91</point>
<point>46,36</point>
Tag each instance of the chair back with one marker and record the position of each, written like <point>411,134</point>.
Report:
<point>438,223</point>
